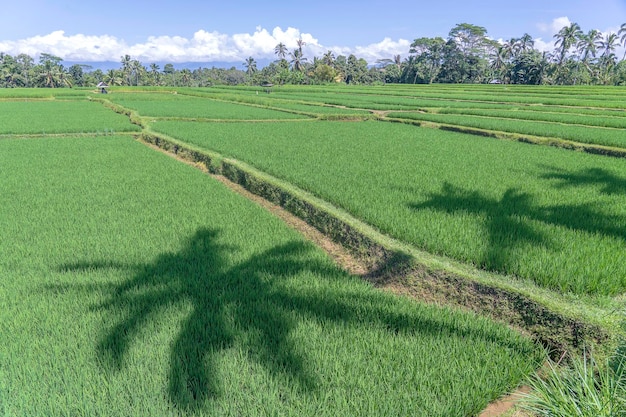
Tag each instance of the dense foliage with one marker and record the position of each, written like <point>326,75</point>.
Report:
<point>468,55</point>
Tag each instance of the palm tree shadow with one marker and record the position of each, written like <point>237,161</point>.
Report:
<point>608,182</point>
<point>199,274</point>
<point>508,220</point>
<point>251,304</point>
<point>505,221</point>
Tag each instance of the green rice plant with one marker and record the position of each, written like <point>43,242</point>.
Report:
<point>584,389</point>
<point>53,117</point>
<point>569,118</point>
<point>178,105</point>
<point>43,93</point>
<point>550,216</point>
<point>582,134</point>
<point>133,285</point>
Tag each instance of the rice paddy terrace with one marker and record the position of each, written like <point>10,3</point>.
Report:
<point>134,284</point>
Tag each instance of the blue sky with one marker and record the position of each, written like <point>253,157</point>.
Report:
<point>230,31</point>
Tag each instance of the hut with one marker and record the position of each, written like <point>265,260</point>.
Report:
<point>103,87</point>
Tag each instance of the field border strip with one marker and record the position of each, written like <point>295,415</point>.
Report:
<point>419,274</point>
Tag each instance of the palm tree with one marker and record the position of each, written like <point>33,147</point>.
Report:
<point>156,75</point>
<point>622,34</point>
<point>588,44</point>
<point>565,39</point>
<point>328,58</point>
<point>397,60</point>
<point>137,70</point>
<point>185,77</point>
<point>608,59</point>
<point>113,77</point>
<point>509,49</point>
<point>281,50</point>
<point>526,43</point>
<point>499,60</point>
<point>300,43</point>
<point>297,61</point>
<point>126,68</point>
<point>250,65</point>
<point>609,44</point>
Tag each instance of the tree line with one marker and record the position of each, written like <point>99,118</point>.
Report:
<point>467,55</point>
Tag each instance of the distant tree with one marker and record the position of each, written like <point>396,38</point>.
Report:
<point>281,50</point>
<point>77,74</point>
<point>169,69</point>
<point>250,65</point>
<point>155,74</point>
<point>426,61</point>
<point>25,65</point>
<point>185,78</point>
<point>567,37</point>
<point>300,44</point>
<point>622,35</point>
<point>328,58</point>
<point>297,60</point>
<point>114,77</point>
<point>50,73</point>
<point>470,39</point>
<point>526,43</point>
<point>126,62</point>
<point>324,73</point>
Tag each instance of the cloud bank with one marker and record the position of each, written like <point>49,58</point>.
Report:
<point>203,46</point>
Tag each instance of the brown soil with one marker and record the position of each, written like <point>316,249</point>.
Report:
<point>504,405</point>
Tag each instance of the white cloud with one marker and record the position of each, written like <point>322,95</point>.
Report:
<point>555,26</point>
<point>202,47</point>
<point>387,48</point>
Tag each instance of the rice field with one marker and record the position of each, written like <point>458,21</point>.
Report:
<point>548,215</point>
<point>132,284</point>
<point>181,106</point>
<point>59,116</point>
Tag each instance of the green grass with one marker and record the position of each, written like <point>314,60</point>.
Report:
<point>178,105</point>
<point>584,389</point>
<point>551,216</point>
<point>262,99</point>
<point>44,93</point>
<point>54,117</point>
<point>584,134</point>
<point>131,284</point>
<point>614,119</point>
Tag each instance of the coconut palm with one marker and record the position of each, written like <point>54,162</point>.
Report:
<point>587,45</point>
<point>565,39</point>
<point>297,60</point>
<point>328,58</point>
<point>155,74</point>
<point>281,50</point>
<point>113,77</point>
<point>127,68</point>
<point>300,43</point>
<point>137,70</point>
<point>526,43</point>
<point>622,34</point>
<point>609,44</point>
<point>499,60</point>
<point>250,65</point>
<point>509,49</point>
